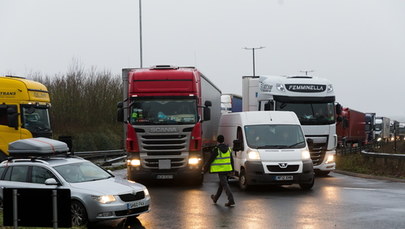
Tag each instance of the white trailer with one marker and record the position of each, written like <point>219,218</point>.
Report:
<point>311,98</point>
<point>382,128</point>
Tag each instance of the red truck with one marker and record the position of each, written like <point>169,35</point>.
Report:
<point>350,127</point>
<point>171,116</point>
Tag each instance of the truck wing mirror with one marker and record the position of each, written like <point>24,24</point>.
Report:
<point>208,103</point>
<point>339,118</point>
<point>12,116</point>
<point>338,109</point>
<point>237,145</point>
<point>120,112</point>
<point>207,113</point>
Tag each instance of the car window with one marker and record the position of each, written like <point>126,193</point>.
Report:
<point>2,169</point>
<point>40,174</point>
<point>19,173</point>
<point>81,172</point>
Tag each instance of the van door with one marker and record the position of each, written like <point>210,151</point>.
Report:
<point>237,156</point>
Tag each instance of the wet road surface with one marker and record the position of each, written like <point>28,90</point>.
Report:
<point>336,201</point>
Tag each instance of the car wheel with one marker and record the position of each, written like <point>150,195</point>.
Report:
<point>79,214</point>
<point>308,186</point>
<point>243,184</point>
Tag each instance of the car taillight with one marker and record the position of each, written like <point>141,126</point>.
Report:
<point>132,140</point>
<point>195,141</point>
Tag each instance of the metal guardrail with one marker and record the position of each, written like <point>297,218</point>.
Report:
<point>104,157</point>
<point>383,155</point>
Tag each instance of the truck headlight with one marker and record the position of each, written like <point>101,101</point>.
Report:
<point>330,159</point>
<point>134,162</point>
<point>280,87</point>
<point>305,155</point>
<point>104,199</point>
<point>194,160</point>
<point>253,154</point>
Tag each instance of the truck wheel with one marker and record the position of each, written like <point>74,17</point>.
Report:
<point>308,186</point>
<point>79,214</point>
<point>243,184</point>
<point>197,181</point>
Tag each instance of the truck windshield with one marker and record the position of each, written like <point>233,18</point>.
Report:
<point>163,111</point>
<point>274,136</point>
<point>36,119</point>
<point>310,113</point>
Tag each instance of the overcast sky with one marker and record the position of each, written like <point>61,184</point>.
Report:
<point>359,45</point>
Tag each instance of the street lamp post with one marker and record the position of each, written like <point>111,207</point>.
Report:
<point>140,31</point>
<point>254,64</point>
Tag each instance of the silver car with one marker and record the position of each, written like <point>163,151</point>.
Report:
<point>96,194</point>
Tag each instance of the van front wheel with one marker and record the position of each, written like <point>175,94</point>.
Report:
<point>243,184</point>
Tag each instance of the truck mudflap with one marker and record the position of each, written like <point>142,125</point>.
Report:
<point>255,175</point>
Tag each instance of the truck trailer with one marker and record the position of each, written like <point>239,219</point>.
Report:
<point>231,103</point>
<point>171,116</point>
<point>311,98</point>
<point>382,129</point>
<point>24,111</point>
<point>351,127</point>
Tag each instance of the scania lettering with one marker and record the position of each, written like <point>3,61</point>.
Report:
<point>171,117</point>
<point>24,111</point>
<point>311,98</point>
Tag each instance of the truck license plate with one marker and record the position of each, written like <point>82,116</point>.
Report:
<point>284,178</point>
<point>164,177</point>
<point>136,204</point>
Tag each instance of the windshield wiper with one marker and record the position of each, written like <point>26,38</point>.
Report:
<point>293,145</point>
<point>272,147</point>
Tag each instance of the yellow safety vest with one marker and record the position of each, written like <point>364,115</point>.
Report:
<point>222,162</point>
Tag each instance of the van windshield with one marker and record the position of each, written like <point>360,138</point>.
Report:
<point>274,136</point>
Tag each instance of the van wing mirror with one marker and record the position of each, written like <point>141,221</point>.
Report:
<point>237,145</point>
<point>208,103</point>
<point>12,116</point>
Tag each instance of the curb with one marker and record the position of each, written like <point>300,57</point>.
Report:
<point>361,175</point>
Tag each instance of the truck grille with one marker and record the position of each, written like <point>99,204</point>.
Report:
<point>318,151</point>
<point>164,146</point>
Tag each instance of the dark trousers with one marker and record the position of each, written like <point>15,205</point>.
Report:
<point>223,184</point>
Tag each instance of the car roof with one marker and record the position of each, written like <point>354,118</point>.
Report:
<point>50,161</point>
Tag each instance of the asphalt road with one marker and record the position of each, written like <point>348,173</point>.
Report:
<point>336,201</point>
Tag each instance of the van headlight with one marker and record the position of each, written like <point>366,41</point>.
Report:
<point>104,199</point>
<point>305,155</point>
<point>253,155</point>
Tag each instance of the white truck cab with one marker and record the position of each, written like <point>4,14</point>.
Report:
<point>269,148</point>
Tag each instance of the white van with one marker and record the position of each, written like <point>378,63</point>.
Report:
<point>269,148</point>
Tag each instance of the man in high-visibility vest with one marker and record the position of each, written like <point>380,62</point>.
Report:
<point>220,162</point>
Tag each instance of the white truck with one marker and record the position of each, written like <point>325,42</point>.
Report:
<point>311,98</point>
<point>268,148</point>
<point>382,129</point>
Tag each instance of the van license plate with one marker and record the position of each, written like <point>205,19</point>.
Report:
<point>164,177</point>
<point>284,178</point>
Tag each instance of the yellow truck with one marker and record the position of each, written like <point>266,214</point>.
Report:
<point>24,111</point>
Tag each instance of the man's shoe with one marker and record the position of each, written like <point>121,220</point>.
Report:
<point>230,204</point>
<point>213,199</point>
